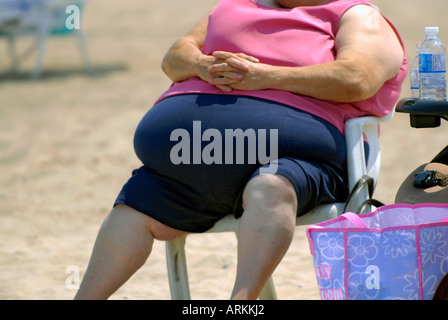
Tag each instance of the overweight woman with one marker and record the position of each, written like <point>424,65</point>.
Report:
<point>253,126</point>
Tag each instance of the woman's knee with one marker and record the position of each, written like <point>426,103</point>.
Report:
<point>270,191</point>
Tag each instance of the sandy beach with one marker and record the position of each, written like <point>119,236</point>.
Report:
<point>66,150</point>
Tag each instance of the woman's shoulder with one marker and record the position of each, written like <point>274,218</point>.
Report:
<point>339,7</point>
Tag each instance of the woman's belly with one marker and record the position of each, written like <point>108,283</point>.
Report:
<point>205,139</point>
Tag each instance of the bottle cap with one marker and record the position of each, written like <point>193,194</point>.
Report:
<point>432,30</point>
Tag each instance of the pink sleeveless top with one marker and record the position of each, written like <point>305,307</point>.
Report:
<point>288,37</point>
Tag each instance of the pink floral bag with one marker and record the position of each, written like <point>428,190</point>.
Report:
<point>396,252</point>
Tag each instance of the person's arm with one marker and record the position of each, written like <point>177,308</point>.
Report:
<point>185,60</point>
<point>368,54</point>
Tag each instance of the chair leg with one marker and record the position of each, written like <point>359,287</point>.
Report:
<point>177,269</point>
<point>13,54</point>
<point>178,274</point>
<point>82,43</point>
<point>42,48</point>
<point>42,35</point>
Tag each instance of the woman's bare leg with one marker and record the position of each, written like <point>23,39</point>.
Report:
<point>265,234</point>
<point>123,245</point>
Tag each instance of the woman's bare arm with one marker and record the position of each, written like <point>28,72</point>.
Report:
<point>185,60</point>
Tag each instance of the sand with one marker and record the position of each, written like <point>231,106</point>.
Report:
<point>66,150</point>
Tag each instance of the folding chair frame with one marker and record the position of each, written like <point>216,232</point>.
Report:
<point>42,31</point>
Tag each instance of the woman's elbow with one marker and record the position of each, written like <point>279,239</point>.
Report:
<point>358,92</point>
<point>166,67</point>
<point>362,83</point>
<point>361,87</point>
<point>171,71</point>
<point>350,92</point>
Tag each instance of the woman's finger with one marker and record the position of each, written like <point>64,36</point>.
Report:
<point>245,56</point>
<point>225,70</point>
<point>222,55</point>
<point>233,76</point>
<point>224,80</point>
<point>228,75</point>
<point>226,55</point>
<point>224,88</point>
<point>221,67</point>
<point>236,62</point>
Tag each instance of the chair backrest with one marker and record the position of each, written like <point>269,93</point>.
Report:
<point>32,14</point>
<point>58,15</point>
<point>358,165</point>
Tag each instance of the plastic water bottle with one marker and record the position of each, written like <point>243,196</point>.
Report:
<point>432,67</point>
<point>415,78</point>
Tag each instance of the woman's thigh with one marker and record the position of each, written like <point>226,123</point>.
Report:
<point>199,152</point>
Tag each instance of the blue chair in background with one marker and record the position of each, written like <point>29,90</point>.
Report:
<point>40,19</point>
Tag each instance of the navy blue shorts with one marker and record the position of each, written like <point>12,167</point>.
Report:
<point>199,152</point>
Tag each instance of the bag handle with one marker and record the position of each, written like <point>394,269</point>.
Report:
<point>350,216</point>
<point>369,202</point>
<point>355,219</point>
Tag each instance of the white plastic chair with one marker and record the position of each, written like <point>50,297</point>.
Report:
<point>40,19</point>
<point>356,130</point>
